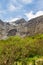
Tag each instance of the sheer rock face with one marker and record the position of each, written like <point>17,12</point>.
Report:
<point>35,26</point>
<point>21,27</point>
<point>2,29</point>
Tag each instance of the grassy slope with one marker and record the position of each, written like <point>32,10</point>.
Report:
<point>15,49</point>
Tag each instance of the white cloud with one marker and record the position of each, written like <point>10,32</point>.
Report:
<point>11,7</point>
<point>27,1</point>
<point>22,1</point>
<point>30,15</point>
<point>12,19</point>
<point>13,1</point>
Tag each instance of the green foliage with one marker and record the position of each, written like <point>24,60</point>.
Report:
<point>16,49</point>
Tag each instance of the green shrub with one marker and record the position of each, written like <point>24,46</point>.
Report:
<point>15,48</point>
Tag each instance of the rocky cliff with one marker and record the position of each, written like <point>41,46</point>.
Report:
<point>35,26</point>
<point>21,27</point>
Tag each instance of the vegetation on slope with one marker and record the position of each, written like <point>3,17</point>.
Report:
<point>20,51</point>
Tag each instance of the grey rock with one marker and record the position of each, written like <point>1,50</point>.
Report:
<point>21,27</point>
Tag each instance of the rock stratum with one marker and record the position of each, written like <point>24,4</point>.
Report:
<point>21,27</point>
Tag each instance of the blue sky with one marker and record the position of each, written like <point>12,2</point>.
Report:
<point>14,9</point>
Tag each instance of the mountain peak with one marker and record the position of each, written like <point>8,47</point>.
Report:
<point>19,21</point>
<point>32,27</point>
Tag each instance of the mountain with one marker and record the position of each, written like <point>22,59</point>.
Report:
<point>21,27</point>
<point>18,22</point>
<point>1,28</point>
<point>35,26</point>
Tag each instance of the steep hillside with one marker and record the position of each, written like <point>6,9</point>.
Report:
<point>35,26</point>
<point>23,28</point>
<point>2,28</point>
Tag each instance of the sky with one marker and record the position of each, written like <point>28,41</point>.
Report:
<point>15,9</point>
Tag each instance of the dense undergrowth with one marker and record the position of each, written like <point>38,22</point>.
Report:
<point>18,51</point>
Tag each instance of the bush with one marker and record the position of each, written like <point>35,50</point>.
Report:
<point>15,49</point>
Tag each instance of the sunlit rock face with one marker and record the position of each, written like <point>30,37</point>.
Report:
<point>21,27</point>
<point>35,26</point>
